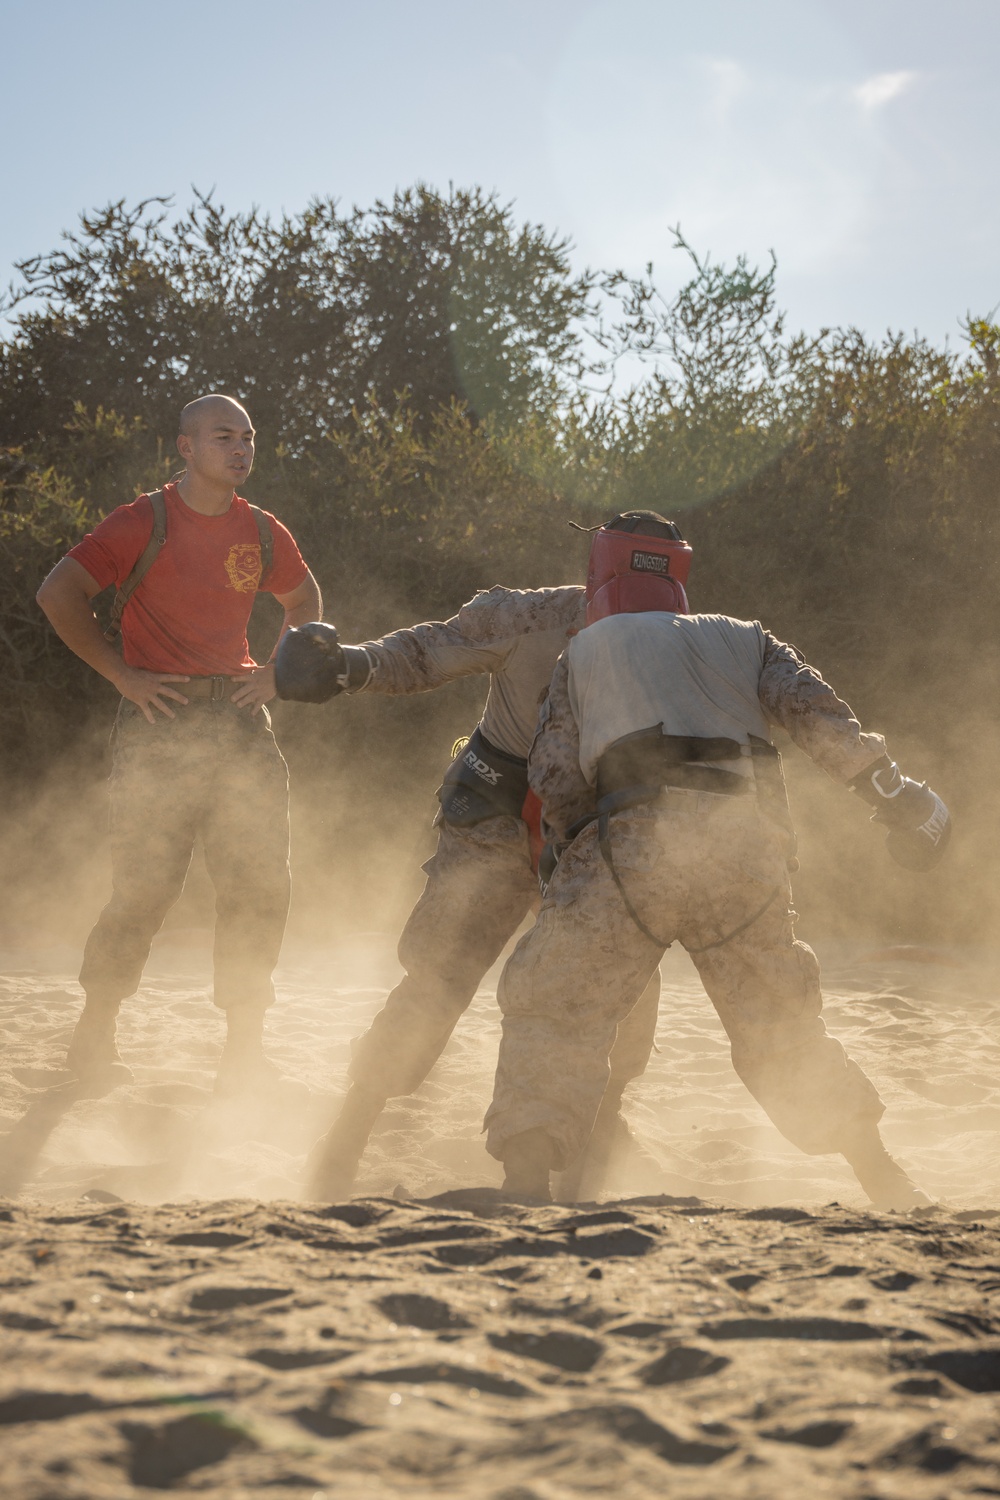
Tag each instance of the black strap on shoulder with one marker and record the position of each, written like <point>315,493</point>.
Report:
<point>145,561</point>
<point>266,538</point>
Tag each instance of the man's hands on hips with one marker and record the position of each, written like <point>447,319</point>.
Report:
<point>149,690</point>
<point>255,689</point>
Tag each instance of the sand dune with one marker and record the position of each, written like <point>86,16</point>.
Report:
<point>733,1321</point>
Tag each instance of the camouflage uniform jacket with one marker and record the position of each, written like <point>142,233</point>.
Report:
<point>790,693</point>
<point>515,635</point>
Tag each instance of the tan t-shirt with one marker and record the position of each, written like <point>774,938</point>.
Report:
<point>514,635</point>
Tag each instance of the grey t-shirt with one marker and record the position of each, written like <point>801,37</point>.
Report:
<point>694,674</point>
<point>698,677</point>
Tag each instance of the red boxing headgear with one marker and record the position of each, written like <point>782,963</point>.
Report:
<point>638,562</point>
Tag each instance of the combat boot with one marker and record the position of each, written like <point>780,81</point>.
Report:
<point>334,1161</point>
<point>244,1070</point>
<point>527,1160</point>
<point>881,1176</point>
<point>93,1050</point>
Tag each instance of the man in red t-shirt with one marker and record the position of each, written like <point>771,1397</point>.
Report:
<point>192,749</point>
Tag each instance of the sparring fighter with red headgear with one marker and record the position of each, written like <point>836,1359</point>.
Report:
<point>663,795</point>
<point>626,575</point>
<point>480,882</point>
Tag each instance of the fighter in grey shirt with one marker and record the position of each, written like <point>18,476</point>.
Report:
<point>652,761</point>
<point>480,882</point>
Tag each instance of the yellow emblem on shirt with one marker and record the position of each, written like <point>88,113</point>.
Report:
<point>243,566</point>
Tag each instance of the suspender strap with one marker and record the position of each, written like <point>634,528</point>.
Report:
<point>604,841</point>
<point>266,538</point>
<point>772,798</point>
<point>151,552</point>
<point>146,559</point>
<point>720,942</point>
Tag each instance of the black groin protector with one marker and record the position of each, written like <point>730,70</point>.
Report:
<point>482,782</point>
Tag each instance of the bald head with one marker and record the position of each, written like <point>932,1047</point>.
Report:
<point>215,411</point>
<point>216,442</point>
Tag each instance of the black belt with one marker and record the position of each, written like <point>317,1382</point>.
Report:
<point>651,759</point>
<point>215,689</point>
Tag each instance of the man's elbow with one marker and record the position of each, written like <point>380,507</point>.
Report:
<point>45,596</point>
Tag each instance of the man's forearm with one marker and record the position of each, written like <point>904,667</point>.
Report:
<point>71,616</point>
<point>302,612</point>
<point>423,657</point>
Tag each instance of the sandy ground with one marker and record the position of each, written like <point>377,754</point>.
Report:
<point>733,1321</point>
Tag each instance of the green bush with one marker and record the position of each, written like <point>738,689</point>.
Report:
<point>436,399</point>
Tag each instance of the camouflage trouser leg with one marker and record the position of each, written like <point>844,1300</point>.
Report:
<point>765,986</point>
<point>566,988</point>
<point>695,867</point>
<point>245,834</point>
<point>213,770</point>
<point>635,1036</point>
<point>479,888</point>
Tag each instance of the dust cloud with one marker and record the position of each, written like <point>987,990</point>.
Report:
<point>363,776</point>
<point>175,1315</point>
<point>915,1007</point>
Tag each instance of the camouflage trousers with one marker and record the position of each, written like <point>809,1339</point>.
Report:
<point>695,866</point>
<point>479,888</point>
<point>213,772</point>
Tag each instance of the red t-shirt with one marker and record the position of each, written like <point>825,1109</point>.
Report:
<point>189,614</point>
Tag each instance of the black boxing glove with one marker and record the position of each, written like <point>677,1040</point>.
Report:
<point>311,666</point>
<point>918,822</point>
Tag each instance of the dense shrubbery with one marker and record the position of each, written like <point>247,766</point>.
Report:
<point>434,391</point>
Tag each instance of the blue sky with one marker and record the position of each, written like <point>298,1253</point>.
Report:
<point>859,139</point>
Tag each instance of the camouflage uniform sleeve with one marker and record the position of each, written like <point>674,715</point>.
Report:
<point>427,656</point>
<point>794,695</point>
<point>554,773</point>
